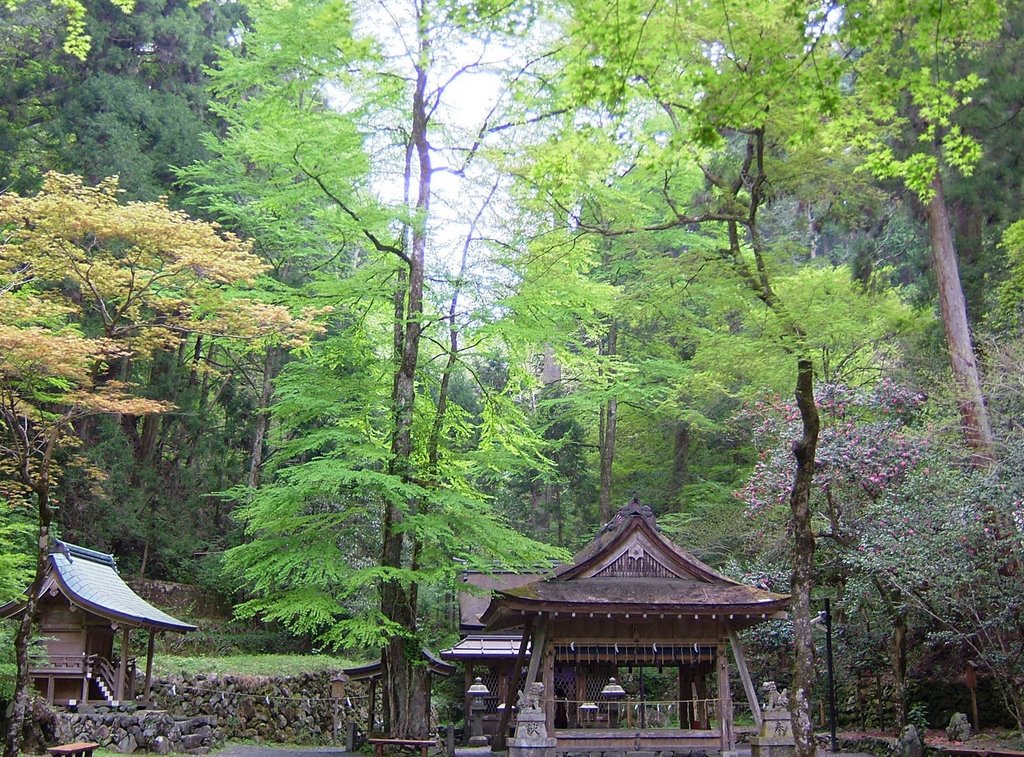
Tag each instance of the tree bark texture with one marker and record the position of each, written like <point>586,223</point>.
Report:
<point>406,711</point>
<point>271,365</point>
<point>974,419</point>
<point>899,666</point>
<point>804,450</point>
<point>23,684</point>
<point>680,459</point>
<point>608,424</point>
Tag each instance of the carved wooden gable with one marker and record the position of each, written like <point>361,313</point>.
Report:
<point>639,557</point>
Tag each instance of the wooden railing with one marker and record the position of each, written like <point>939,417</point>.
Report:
<point>636,714</point>
<point>92,667</point>
<point>58,664</point>
<point>104,671</point>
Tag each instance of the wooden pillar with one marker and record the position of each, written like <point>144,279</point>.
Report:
<point>122,669</point>
<point>512,688</point>
<point>538,644</point>
<point>549,687</point>
<point>699,683</point>
<point>149,667</point>
<point>748,685</point>
<point>728,739</point>
<point>686,710</point>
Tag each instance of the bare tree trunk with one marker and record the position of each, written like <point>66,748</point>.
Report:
<point>271,363</point>
<point>804,450</point>
<point>680,459</point>
<point>899,665</point>
<point>608,424</point>
<point>968,222</point>
<point>977,428</point>
<point>23,684</point>
<point>406,712</point>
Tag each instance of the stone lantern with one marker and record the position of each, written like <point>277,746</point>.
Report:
<point>587,714</point>
<point>477,693</point>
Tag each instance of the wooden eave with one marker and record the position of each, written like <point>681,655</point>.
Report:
<point>509,611</point>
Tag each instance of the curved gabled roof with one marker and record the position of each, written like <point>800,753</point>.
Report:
<point>375,669</point>
<point>631,520</point>
<point>631,567</point>
<point>90,580</point>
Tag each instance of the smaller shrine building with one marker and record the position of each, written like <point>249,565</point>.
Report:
<point>83,605</point>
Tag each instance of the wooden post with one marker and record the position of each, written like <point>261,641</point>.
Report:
<point>122,669</point>
<point>972,685</point>
<point>728,739</point>
<point>512,688</point>
<point>549,687</point>
<point>85,679</point>
<point>700,689</point>
<point>686,707</point>
<point>149,667</point>
<point>538,644</point>
<point>748,685</point>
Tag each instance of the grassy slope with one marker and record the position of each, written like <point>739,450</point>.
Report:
<point>252,665</point>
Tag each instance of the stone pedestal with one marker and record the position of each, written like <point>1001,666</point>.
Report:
<point>775,739</point>
<point>531,737</point>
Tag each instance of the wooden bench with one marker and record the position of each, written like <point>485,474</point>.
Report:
<point>78,749</point>
<point>422,744</point>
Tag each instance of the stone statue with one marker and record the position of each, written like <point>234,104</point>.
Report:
<point>777,700</point>
<point>531,737</point>
<point>775,739</point>
<point>529,699</point>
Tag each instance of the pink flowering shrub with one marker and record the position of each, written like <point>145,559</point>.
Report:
<point>867,444</point>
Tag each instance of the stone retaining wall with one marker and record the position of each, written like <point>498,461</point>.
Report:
<point>146,731</point>
<point>293,709</point>
<point>185,599</point>
<point>195,713</point>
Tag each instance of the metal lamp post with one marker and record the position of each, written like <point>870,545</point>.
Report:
<point>831,673</point>
<point>477,705</point>
<point>825,618</point>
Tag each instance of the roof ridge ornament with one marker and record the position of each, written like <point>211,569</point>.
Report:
<point>633,508</point>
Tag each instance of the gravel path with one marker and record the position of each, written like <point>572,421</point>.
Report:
<point>245,750</point>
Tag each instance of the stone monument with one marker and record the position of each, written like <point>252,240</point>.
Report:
<point>775,739</point>
<point>531,738</point>
<point>910,743</point>
<point>959,728</point>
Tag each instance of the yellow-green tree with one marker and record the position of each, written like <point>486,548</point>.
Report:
<point>88,284</point>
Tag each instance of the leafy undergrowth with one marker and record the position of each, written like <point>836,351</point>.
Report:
<point>995,738</point>
<point>986,739</point>
<point>252,665</point>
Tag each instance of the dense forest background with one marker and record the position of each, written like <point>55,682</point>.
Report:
<point>384,291</point>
